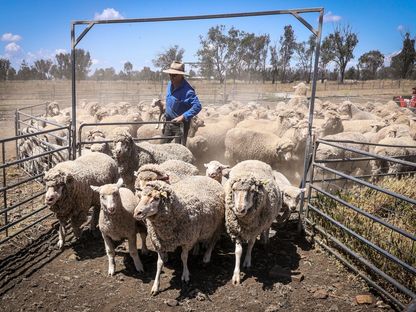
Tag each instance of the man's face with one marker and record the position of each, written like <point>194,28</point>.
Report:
<point>175,79</point>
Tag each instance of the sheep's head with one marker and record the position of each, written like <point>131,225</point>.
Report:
<point>109,196</point>
<point>216,170</point>
<point>53,109</point>
<point>285,148</point>
<point>123,144</point>
<point>244,195</point>
<point>301,89</point>
<point>56,181</point>
<point>148,173</point>
<point>291,196</point>
<point>156,102</point>
<point>345,108</point>
<point>196,123</point>
<point>153,194</point>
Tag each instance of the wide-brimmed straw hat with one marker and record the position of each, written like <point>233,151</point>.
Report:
<point>177,68</point>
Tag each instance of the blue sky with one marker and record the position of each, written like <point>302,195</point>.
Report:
<point>39,29</point>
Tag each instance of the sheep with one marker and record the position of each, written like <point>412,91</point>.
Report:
<point>111,131</point>
<point>217,171</point>
<point>116,222</point>
<point>252,202</point>
<point>290,196</point>
<point>170,171</point>
<point>243,144</point>
<point>182,214</point>
<point>332,124</point>
<point>198,145</point>
<point>68,193</point>
<point>405,150</point>
<point>131,156</point>
<point>354,112</point>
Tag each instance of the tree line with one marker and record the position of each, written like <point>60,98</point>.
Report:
<point>239,55</point>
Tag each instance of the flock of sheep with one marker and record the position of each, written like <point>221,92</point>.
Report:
<point>253,155</point>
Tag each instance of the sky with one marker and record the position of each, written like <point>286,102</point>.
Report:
<point>36,29</point>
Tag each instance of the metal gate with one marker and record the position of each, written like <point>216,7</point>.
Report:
<point>364,212</point>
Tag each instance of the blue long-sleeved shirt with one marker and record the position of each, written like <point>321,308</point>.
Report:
<point>181,101</point>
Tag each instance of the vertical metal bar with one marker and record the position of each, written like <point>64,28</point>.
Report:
<point>16,131</point>
<point>3,154</point>
<point>74,101</point>
<point>309,142</point>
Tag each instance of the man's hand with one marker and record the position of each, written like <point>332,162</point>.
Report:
<point>178,119</point>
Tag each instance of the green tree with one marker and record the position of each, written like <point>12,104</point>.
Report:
<point>128,68</point>
<point>26,72</point>
<point>163,60</point>
<point>287,47</point>
<point>7,72</point>
<point>404,62</point>
<point>326,56</point>
<point>274,63</point>
<point>43,68</point>
<point>369,63</point>
<point>63,70</point>
<point>304,52</point>
<point>342,43</point>
<point>213,54</point>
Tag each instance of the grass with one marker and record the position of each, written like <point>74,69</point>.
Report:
<point>394,211</point>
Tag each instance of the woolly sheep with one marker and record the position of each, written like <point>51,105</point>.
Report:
<point>252,202</point>
<point>170,171</point>
<point>68,192</point>
<point>182,214</point>
<point>131,156</point>
<point>217,171</point>
<point>116,222</point>
<point>354,112</point>
<point>243,144</point>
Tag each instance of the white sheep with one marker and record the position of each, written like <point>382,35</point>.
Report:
<point>252,202</point>
<point>217,171</point>
<point>182,214</point>
<point>68,192</point>
<point>116,222</point>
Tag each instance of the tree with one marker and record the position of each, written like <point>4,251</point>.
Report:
<point>287,47</point>
<point>128,68</point>
<point>327,55</point>
<point>255,53</point>
<point>404,62</point>
<point>369,63</point>
<point>26,72</point>
<point>7,72</point>
<point>43,68</point>
<point>213,53</point>
<point>351,73</point>
<point>63,70</point>
<point>342,42</point>
<point>163,60</point>
<point>274,63</point>
<point>304,52</point>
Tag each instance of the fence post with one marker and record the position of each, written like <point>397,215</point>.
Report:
<point>3,152</point>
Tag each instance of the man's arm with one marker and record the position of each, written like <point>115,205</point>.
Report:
<point>192,98</point>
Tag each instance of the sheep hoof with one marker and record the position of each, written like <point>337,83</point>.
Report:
<point>154,292</point>
<point>236,279</point>
<point>60,244</point>
<point>110,272</point>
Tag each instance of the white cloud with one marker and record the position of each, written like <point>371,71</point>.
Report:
<point>10,37</point>
<point>12,48</point>
<point>108,14</point>
<point>94,61</point>
<point>329,17</point>
<point>400,28</point>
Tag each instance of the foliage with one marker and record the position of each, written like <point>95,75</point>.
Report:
<point>404,62</point>
<point>342,43</point>
<point>62,68</point>
<point>304,53</point>
<point>287,47</point>
<point>7,72</point>
<point>369,63</point>
<point>163,60</point>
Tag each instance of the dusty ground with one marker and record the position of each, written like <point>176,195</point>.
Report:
<point>290,275</point>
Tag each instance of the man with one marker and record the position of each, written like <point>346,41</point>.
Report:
<point>181,103</point>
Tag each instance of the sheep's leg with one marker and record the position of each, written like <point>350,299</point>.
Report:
<point>143,236</point>
<point>238,253</point>
<point>184,257</point>
<point>195,249</point>
<point>133,253</point>
<point>247,259</point>
<point>208,252</point>
<point>156,284</point>
<point>94,219</point>
<point>109,249</point>
<point>265,236</point>
<point>76,222</point>
<point>61,234</point>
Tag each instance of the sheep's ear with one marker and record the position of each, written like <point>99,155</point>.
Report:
<point>164,194</point>
<point>119,183</point>
<point>95,188</point>
<point>206,165</point>
<point>164,177</point>
<point>136,173</point>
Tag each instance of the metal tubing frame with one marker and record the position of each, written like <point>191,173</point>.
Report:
<point>294,12</point>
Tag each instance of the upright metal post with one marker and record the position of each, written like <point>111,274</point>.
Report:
<point>309,142</point>
<point>74,101</point>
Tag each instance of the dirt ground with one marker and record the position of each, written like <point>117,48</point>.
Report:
<point>289,275</point>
